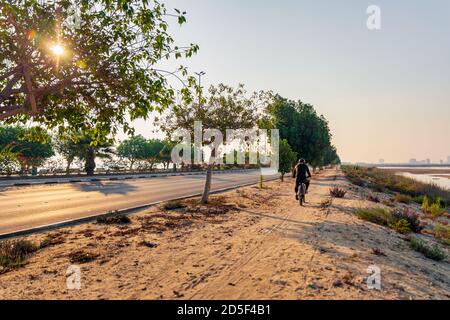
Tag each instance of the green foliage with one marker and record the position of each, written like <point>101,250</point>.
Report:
<point>287,157</point>
<point>376,215</point>
<point>134,149</point>
<point>410,217</point>
<point>31,145</point>
<point>434,252</point>
<point>402,221</point>
<point>306,132</point>
<point>13,253</point>
<point>107,74</point>
<point>401,226</point>
<point>434,208</point>
<point>8,160</point>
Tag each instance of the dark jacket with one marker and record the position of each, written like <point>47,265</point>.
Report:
<point>301,172</point>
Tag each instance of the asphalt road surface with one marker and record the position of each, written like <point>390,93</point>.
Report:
<point>24,208</point>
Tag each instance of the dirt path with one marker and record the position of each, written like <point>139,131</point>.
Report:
<point>267,248</point>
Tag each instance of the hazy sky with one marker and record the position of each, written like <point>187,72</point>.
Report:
<point>386,93</point>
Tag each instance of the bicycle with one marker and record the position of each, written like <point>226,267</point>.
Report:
<point>301,193</point>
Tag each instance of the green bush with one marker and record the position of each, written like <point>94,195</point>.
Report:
<point>410,217</point>
<point>401,221</point>
<point>376,215</point>
<point>14,253</point>
<point>434,252</point>
<point>401,226</point>
<point>435,208</point>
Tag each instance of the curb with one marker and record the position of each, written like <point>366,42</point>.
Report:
<point>126,211</point>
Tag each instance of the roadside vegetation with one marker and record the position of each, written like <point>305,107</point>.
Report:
<point>407,188</point>
<point>14,253</point>
<point>402,221</point>
<point>433,252</point>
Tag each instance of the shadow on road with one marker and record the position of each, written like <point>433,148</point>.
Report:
<point>106,188</point>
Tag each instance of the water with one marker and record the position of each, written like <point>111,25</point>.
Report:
<point>440,179</point>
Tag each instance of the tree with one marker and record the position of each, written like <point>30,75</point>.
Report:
<point>88,151</point>
<point>76,144</point>
<point>224,108</point>
<point>134,149</point>
<point>166,153</point>
<point>68,149</point>
<point>89,75</point>
<point>8,159</point>
<point>27,143</point>
<point>331,156</point>
<point>287,158</point>
<point>306,132</point>
<point>154,149</point>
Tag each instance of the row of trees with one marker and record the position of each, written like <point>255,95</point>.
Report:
<point>22,150</point>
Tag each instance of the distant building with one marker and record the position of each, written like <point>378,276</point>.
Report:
<point>413,161</point>
<point>448,159</point>
<point>441,161</point>
<point>428,161</point>
<point>381,161</point>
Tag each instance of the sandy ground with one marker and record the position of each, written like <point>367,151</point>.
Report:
<point>253,244</point>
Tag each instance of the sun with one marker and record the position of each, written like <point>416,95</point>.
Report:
<point>57,49</point>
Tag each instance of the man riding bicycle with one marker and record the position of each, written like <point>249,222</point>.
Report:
<point>301,175</point>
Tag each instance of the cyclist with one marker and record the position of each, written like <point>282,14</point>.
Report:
<point>301,174</point>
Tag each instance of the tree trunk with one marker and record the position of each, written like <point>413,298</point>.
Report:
<point>282,177</point>
<point>90,162</point>
<point>207,188</point>
<point>69,163</point>
<point>209,170</point>
<point>131,165</point>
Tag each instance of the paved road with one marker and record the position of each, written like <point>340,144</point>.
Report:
<point>34,206</point>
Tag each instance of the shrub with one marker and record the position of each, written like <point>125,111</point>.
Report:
<point>337,192</point>
<point>401,221</point>
<point>435,208</point>
<point>401,226</point>
<point>376,215</point>
<point>114,218</point>
<point>13,253</point>
<point>173,205</point>
<point>434,252</point>
<point>403,198</point>
<point>442,232</point>
<point>410,217</point>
